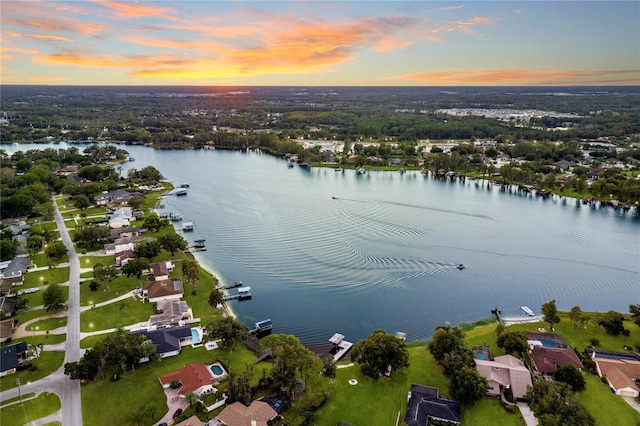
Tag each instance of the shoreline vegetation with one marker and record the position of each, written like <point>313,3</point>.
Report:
<point>441,165</point>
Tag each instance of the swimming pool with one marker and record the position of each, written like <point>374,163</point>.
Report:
<point>549,343</point>
<point>217,370</point>
<point>195,335</point>
<point>480,355</point>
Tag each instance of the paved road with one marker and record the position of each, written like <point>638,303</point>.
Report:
<point>70,397</point>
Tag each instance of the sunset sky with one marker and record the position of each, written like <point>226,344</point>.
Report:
<point>320,43</point>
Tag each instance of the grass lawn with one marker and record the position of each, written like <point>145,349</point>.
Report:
<point>118,287</point>
<point>41,259</point>
<point>50,339</point>
<point>45,277</point>
<point>35,299</point>
<point>48,324</point>
<point>17,398</point>
<point>25,316</point>
<point>19,414</point>
<point>47,363</point>
<point>90,341</point>
<point>605,407</point>
<point>91,211</point>
<point>578,337</point>
<point>381,402</point>
<point>91,261</point>
<point>119,401</point>
<point>114,315</point>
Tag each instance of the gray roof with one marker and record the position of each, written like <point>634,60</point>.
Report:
<point>9,356</point>
<point>424,404</point>
<point>18,266</point>
<point>166,339</point>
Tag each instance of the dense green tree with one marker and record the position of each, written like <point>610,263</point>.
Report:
<point>53,297</point>
<point>147,249</point>
<point>513,341</point>
<point>228,330</point>
<point>55,250</point>
<point>172,242</point>
<point>468,386</point>
<point>446,340</point>
<point>291,357</point>
<point>635,312</point>
<point>190,271</point>
<point>81,202</point>
<point>379,352</point>
<point>136,202</point>
<point>89,237</point>
<point>8,249</point>
<point>153,222</point>
<point>569,374</point>
<point>215,298</point>
<point>550,313</point>
<point>612,321</point>
<point>555,404</point>
<point>136,267</point>
<point>35,242</point>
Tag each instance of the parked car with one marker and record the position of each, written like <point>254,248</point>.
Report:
<point>177,413</point>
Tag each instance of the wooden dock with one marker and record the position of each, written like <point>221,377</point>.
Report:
<point>340,345</point>
<point>230,286</point>
<point>244,293</point>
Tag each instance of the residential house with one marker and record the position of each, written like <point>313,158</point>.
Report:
<point>124,232</point>
<point>172,312</point>
<point>161,270</point>
<point>121,218</point>
<point>17,267</point>
<point>122,257</point>
<point>67,170</point>
<point>191,421</point>
<point>22,220</point>
<point>7,328</point>
<point>623,375</point>
<point>122,244</point>
<point>11,357</point>
<point>6,304</point>
<point>424,405</point>
<point>546,359</point>
<point>196,378</point>
<point>117,197</point>
<point>7,284</point>
<point>168,341</point>
<point>156,291</point>
<point>259,413</point>
<point>505,372</point>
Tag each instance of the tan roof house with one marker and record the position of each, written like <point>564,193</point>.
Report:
<point>7,327</point>
<point>621,374</point>
<point>238,414</point>
<point>160,270</point>
<point>191,421</point>
<point>505,372</point>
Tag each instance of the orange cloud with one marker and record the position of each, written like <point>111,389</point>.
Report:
<point>77,59</point>
<point>518,76</point>
<point>55,25</point>
<point>49,37</point>
<point>136,10</point>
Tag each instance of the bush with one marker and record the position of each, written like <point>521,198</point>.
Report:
<point>175,384</point>
<point>594,341</point>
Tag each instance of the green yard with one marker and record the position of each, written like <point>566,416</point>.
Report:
<point>91,261</point>
<point>118,287</point>
<point>28,411</point>
<point>45,339</point>
<point>46,363</point>
<point>605,407</point>
<point>41,259</point>
<point>46,276</point>
<point>47,324</point>
<point>114,315</point>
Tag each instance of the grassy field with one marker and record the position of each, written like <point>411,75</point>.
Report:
<point>50,339</point>
<point>21,414</point>
<point>118,287</point>
<point>119,401</point>
<point>47,324</point>
<point>114,315</point>
<point>91,261</point>
<point>41,259</point>
<point>35,299</point>
<point>45,277</point>
<point>47,363</point>
<point>605,407</point>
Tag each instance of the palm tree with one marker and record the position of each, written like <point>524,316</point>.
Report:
<point>191,398</point>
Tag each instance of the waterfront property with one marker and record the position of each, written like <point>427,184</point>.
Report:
<point>168,341</point>
<point>505,372</point>
<point>156,291</point>
<point>196,378</point>
<point>546,360</point>
<point>339,346</point>
<point>425,405</point>
<point>171,312</point>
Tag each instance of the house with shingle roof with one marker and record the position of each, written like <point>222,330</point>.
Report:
<point>546,359</point>
<point>238,414</point>
<point>122,244</point>
<point>623,375</point>
<point>196,378</point>
<point>505,372</point>
<point>168,341</point>
<point>160,270</point>
<point>155,291</point>
<point>424,405</point>
<point>7,327</point>
<point>11,357</point>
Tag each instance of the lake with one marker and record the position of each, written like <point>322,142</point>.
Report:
<point>328,252</point>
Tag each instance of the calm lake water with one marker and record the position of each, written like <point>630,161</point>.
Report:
<point>328,252</point>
